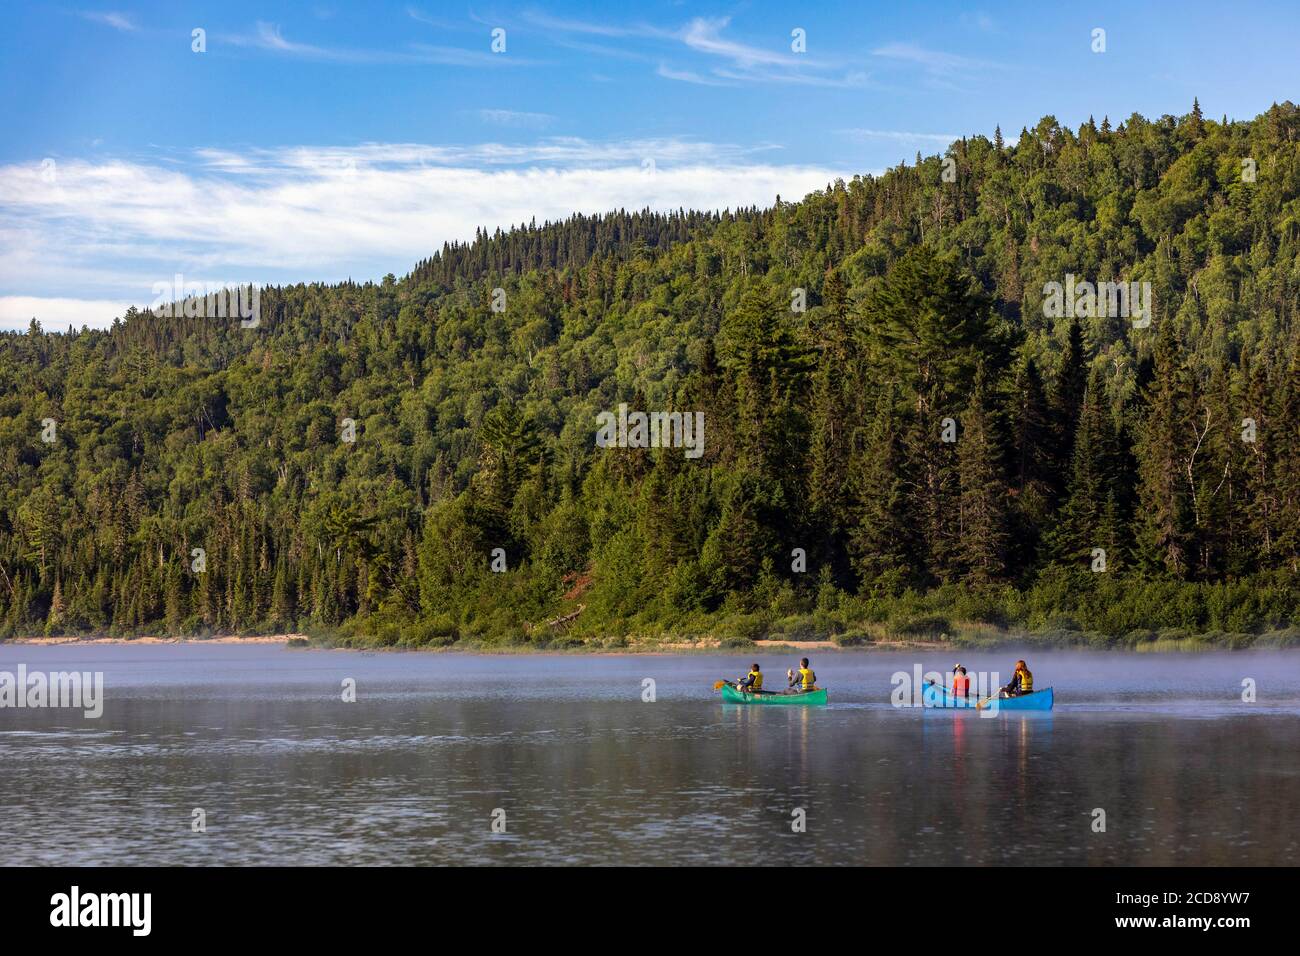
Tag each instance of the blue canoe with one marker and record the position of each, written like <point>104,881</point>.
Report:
<point>933,695</point>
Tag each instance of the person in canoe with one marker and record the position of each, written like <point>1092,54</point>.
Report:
<point>960,683</point>
<point>753,681</point>
<point>1022,682</point>
<point>804,680</point>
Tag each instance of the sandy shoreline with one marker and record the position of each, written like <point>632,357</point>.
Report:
<point>667,647</point>
<point>220,639</point>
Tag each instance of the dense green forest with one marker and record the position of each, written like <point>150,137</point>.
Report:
<point>924,449</point>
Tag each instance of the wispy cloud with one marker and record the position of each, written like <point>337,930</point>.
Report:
<point>415,13</point>
<point>690,76</point>
<point>750,64</point>
<point>795,78</point>
<point>101,233</point>
<point>939,68</point>
<point>269,38</point>
<point>516,118</point>
<point>564,25</point>
<point>112,18</point>
<point>456,56</point>
<point>899,135</point>
<point>934,60</point>
<point>705,35</point>
<point>721,60</point>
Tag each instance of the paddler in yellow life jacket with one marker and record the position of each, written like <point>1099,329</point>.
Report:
<point>804,680</point>
<point>1022,682</point>
<point>753,681</point>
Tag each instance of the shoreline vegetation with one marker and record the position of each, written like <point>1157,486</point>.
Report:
<point>979,637</point>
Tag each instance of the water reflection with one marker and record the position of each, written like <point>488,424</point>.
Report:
<point>589,773</point>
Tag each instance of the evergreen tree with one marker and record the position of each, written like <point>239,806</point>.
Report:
<point>1032,463</point>
<point>835,407</point>
<point>880,539</point>
<point>984,532</point>
<point>54,620</point>
<point>1165,531</point>
<point>1283,438</point>
<point>1090,516</point>
<point>929,327</point>
<point>1067,400</point>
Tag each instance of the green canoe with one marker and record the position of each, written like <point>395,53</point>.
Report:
<point>732,696</point>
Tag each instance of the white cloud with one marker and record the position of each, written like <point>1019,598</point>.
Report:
<point>56,315</point>
<point>108,230</point>
<point>745,63</point>
<point>705,36</point>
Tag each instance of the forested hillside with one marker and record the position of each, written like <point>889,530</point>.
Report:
<point>944,450</point>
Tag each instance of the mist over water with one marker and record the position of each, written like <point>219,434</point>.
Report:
<point>587,772</point>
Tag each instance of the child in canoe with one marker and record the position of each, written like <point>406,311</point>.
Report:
<point>753,681</point>
<point>960,683</point>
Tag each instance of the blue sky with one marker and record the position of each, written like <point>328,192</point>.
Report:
<point>320,141</point>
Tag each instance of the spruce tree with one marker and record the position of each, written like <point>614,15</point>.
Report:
<point>1067,400</point>
<point>835,408</point>
<point>1164,533</point>
<point>1032,463</point>
<point>1090,516</point>
<point>1284,446</point>
<point>880,539</point>
<point>984,533</point>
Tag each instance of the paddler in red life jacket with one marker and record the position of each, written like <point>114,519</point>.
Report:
<point>1022,682</point>
<point>960,682</point>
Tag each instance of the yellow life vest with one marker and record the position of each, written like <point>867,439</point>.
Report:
<point>808,677</point>
<point>758,680</point>
<point>1026,681</point>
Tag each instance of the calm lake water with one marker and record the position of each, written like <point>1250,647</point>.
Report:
<point>587,772</point>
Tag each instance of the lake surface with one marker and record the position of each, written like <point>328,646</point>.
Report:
<point>586,771</point>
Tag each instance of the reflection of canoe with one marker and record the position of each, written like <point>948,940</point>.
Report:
<point>933,695</point>
<point>732,696</point>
